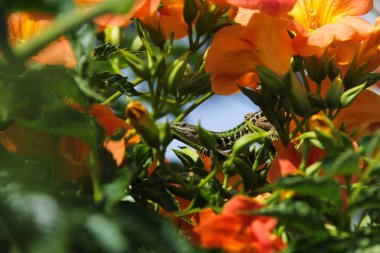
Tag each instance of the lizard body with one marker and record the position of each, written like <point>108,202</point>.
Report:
<point>225,139</point>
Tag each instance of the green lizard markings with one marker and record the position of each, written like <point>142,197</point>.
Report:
<point>188,134</point>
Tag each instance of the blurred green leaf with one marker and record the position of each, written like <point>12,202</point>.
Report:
<point>324,188</point>
<point>369,198</point>
<point>345,163</point>
<point>154,189</point>
<point>27,95</point>
<point>296,214</point>
<point>60,119</point>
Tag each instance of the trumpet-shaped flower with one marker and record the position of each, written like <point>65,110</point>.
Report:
<point>235,230</point>
<point>321,23</point>
<point>22,26</point>
<point>369,51</point>
<point>168,18</point>
<point>271,7</point>
<point>141,8</point>
<point>237,50</point>
<point>70,156</point>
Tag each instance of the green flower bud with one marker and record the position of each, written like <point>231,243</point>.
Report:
<point>334,93</point>
<point>298,97</point>
<point>174,73</point>
<point>349,95</point>
<point>136,64</point>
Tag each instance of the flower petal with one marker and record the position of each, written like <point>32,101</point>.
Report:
<point>271,7</point>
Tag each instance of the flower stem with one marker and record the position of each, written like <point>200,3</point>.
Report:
<point>118,94</point>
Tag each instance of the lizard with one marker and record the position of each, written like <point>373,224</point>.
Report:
<point>188,133</point>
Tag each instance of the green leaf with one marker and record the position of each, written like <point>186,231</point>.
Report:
<point>324,188</point>
<point>142,156</point>
<point>246,173</point>
<point>186,159</point>
<point>371,79</point>
<point>106,52</point>
<point>26,96</point>
<point>369,198</point>
<point>371,144</point>
<point>154,189</point>
<point>344,163</point>
<point>243,143</point>
<point>254,96</point>
<point>296,214</point>
<point>207,138</point>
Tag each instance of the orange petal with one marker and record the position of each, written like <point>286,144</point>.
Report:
<point>107,119</point>
<point>285,163</point>
<point>363,114</point>
<point>225,232</point>
<point>74,150</point>
<point>148,8</point>
<point>172,19</point>
<point>271,7</point>
<point>24,141</point>
<point>238,203</point>
<point>24,25</point>
<point>233,63</point>
<point>57,53</point>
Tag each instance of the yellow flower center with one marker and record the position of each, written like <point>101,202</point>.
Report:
<point>313,18</point>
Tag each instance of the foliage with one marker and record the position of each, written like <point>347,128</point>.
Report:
<point>82,159</point>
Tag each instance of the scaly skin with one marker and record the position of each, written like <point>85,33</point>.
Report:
<point>188,133</point>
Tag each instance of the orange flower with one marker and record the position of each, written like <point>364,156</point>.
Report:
<point>322,23</point>
<point>111,124</point>
<point>362,116</point>
<point>288,159</point>
<point>71,154</point>
<point>168,18</point>
<point>271,7</point>
<point>196,218</point>
<point>24,25</point>
<point>237,50</point>
<point>235,230</point>
<point>369,51</point>
<point>140,8</point>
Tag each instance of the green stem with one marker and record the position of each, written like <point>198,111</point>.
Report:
<point>364,177</point>
<point>119,93</point>
<point>4,42</point>
<point>64,24</point>
<point>193,106</point>
<point>210,176</point>
<point>113,98</point>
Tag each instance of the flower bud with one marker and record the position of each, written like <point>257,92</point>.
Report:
<point>298,97</point>
<point>190,11</point>
<point>174,74</point>
<point>349,95</point>
<point>271,80</point>
<point>334,93</point>
<point>136,64</point>
<point>138,115</point>
<point>316,68</point>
